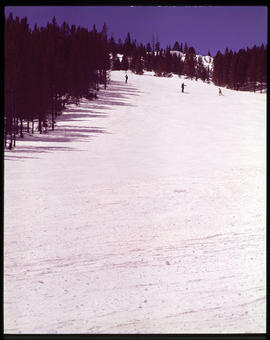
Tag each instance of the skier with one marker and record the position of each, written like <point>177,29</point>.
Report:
<point>126,78</point>
<point>220,92</point>
<point>183,87</point>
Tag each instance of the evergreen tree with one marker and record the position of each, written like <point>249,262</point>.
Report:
<point>201,71</point>
<point>157,48</point>
<point>176,65</point>
<point>116,65</point>
<point>124,63</point>
<point>127,47</point>
<point>261,67</point>
<point>120,46</point>
<point>139,65</point>
<point>227,58</point>
<point>190,62</point>
<point>181,47</point>
<point>104,58</point>
<point>148,48</point>
<point>168,61</point>
<point>218,69</point>
<point>252,68</point>
<point>136,64</point>
<point>159,65</point>
<point>241,69</point>
<point>113,46</point>
<point>40,90</point>
<point>141,50</point>
<point>148,60</point>
<point>232,79</point>
<point>176,46</point>
<point>45,67</point>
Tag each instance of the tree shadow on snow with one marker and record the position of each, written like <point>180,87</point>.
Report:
<point>19,152</point>
<point>117,94</point>
<point>18,158</point>
<point>92,129</point>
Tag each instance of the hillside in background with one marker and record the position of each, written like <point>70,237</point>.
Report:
<point>49,67</point>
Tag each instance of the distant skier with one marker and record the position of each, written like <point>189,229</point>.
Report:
<point>183,87</point>
<point>220,92</point>
<point>126,78</point>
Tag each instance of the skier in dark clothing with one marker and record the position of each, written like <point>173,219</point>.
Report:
<point>183,87</point>
<point>126,78</point>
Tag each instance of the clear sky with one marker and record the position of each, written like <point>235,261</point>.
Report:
<point>203,27</point>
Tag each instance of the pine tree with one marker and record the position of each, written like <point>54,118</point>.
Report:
<point>241,68</point>
<point>120,46</point>
<point>124,63</point>
<point>176,46</point>
<point>227,58</point>
<point>104,58</point>
<point>218,69</point>
<point>127,47</point>
<point>232,79</point>
<point>148,48</point>
<point>10,63</point>
<point>201,71</point>
<point>39,79</point>
<point>116,65</point>
<point>181,47</point>
<point>159,66</point>
<point>190,62</point>
<point>136,64</point>
<point>252,68</point>
<point>139,65</point>
<point>113,46</point>
<point>157,48</point>
<point>168,61</point>
<point>261,67</point>
<point>46,67</point>
<point>176,64</point>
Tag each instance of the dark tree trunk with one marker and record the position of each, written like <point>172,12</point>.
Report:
<point>105,79</point>
<point>21,128</point>
<point>10,143</point>
<point>14,131</point>
<point>5,131</point>
<point>39,125</point>
<point>17,126</point>
<point>52,112</point>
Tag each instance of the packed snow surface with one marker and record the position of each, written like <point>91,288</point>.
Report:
<point>143,212</point>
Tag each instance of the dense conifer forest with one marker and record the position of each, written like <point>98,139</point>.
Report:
<point>49,67</point>
<point>242,70</point>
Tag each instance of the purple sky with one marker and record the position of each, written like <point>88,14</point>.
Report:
<point>205,28</point>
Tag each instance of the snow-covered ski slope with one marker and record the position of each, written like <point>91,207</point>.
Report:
<point>143,212</point>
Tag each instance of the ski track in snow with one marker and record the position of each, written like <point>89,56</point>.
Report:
<point>143,212</point>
